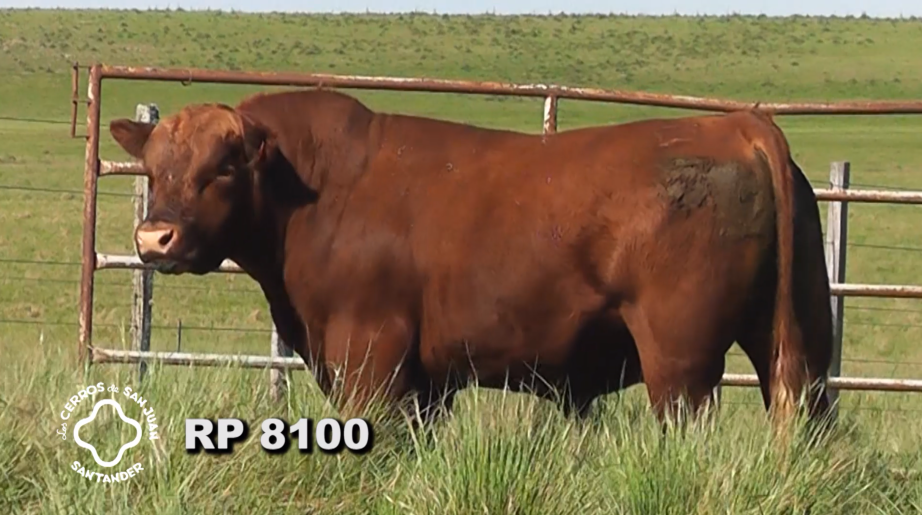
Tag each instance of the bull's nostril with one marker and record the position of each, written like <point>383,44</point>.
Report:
<point>165,238</point>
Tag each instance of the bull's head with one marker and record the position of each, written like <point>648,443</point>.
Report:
<point>204,166</point>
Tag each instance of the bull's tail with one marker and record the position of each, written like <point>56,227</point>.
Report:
<point>789,374</point>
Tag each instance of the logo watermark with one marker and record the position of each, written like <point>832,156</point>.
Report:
<point>85,431</point>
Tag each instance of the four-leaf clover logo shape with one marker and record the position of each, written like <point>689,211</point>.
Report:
<point>92,448</point>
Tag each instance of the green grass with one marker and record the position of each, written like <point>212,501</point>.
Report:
<point>479,461</point>
<point>498,454</point>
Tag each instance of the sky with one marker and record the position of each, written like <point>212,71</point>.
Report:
<point>874,8</point>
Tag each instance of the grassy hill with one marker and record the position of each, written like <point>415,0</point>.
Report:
<point>749,58</point>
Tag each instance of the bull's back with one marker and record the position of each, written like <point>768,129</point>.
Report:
<point>493,198</point>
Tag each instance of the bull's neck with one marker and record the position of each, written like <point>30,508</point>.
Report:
<point>308,179</point>
<point>260,251</point>
<point>261,254</point>
<point>260,248</point>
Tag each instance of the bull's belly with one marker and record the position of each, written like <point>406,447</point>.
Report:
<point>591,358</point>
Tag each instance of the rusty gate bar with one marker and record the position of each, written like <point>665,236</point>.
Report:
<point>190,75</point>
<point>120,168</point>
<point>840,383</point>
<point>119,262</point>
<point>90,178</point>
<point>102,356</point>
<point>869,196</point>
<point>890,291</point>
<point>550,126</point>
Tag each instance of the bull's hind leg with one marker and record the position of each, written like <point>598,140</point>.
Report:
<point>756,342</point>
<point>681,352</point>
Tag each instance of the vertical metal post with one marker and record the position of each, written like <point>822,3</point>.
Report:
<point>278,379</point>
<point>142,280</point>
<point>550,115</point>
<point>90,179</point>
<point>836,238</point>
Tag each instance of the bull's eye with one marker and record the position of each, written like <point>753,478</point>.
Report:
<point>219,176</point>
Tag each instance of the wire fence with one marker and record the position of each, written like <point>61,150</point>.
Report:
<point>182,327</point>
<point>78,194</point>
<point>34,120</point>
<point>115,284</point>
<point>914,412</point>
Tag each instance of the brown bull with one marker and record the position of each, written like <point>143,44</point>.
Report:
<point>411,255</point>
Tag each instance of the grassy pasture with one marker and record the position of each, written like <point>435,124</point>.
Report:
<point>478,461</point>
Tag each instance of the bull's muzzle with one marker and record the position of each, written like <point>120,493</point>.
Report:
<point>155,240</point>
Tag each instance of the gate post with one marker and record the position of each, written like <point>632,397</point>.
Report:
<point>836,238</point>
<point>278,379</point>
<point>142,280</point>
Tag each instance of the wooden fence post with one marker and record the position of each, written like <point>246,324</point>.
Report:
<point>836,239</point>
<point>278,379</point>
<point>143,280</point>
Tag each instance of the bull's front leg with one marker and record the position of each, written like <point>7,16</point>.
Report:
<point>368,359</point>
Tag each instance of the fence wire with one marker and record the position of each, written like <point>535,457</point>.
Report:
<point>61,323</point>
<point>114,284</point>
<point>77,193</point>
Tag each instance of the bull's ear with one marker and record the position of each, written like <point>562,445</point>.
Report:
<point>259,141</point>
<point>131,135</point>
